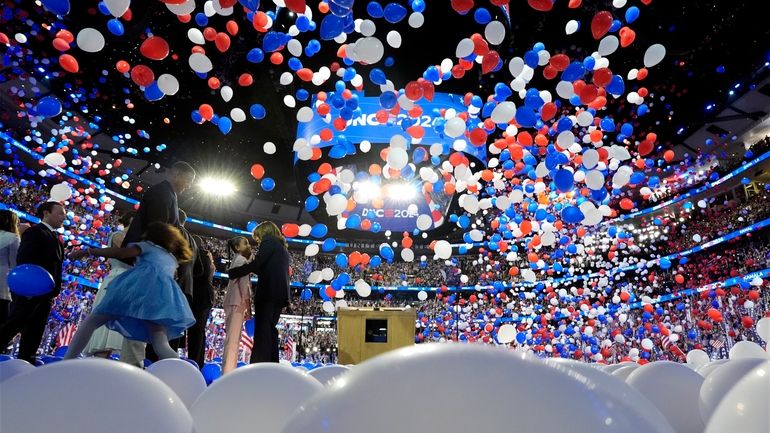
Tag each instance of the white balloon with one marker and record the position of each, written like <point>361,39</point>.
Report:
<point>90,40</point>
<point>183,8</point>
<point>196,36</point>
<point>61,192</point>
<point>365,146</point>
<point>454,127</point>
<point>362,288</point>
<point>397,158</point>
<point>168,84</point>
<point>200,63</point>
<point>464,48</point>
<point>295,47</point>
<point>55,159</point>
<point>181,376</point>
<point>608,45</point>
<point>654,54</point>
<point>237,115</point>
<point>13,367</point>
<point>369,50</point>
<point>705,370</point>
<point>721,381</point>
<point>416,20</point>
<point>506,333</point>
<point>336,204</point>
<point>328,306</point>
<point>697,357</point>
<point>443,249</point>
<point>407,255</point>
<point>503,112</point>
<point>394,39</point>
<point>328,374</point>
<point>424,222</point>
<point>227,93</point>
<point>744,408</point>
<point>763,329</point>
<point>571,27</point>
<point>269,147</point>
<point>311,250</point>
<point>117,7</point>
<point>746,350</point>
<point>679,402</point>
<point>266,392</point>
<point>396,374</point>
<point>304,114</point>
<point>422,295</point>
<point>494,32</point>
<point>138,401</point>
<point>626,368</point>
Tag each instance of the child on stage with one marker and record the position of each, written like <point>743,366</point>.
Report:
<point>237,303</point>
<point>143,303</point>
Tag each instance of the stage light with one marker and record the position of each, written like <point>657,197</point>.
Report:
<point>216,186</point>
<point>369,189</point>
<point>401,191</point>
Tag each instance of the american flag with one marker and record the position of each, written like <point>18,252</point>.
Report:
<point>246,344</point>
<point>289,349</point>
<point>718,343</point>
<point>673,348</point>
<point>65,334</point>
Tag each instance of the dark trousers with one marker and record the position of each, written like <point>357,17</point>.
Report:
<point>196,335</point>
<point>266,315</point>
<point>5,310</point>
<point>30,317</point>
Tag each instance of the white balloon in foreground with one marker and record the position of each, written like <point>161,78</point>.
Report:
<point>200,63</point>
<point>269,147</point>
<point>90,40</point>
<point>168,84</point>
<point>744,408</point>
<point>61,192</point>
<point>654,54</point>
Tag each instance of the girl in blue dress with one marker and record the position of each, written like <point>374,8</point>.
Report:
<point>143,303</point>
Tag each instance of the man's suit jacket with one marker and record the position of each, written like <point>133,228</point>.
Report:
<point>271,265</point>
<point>41,246</point>
<point>159,204</point>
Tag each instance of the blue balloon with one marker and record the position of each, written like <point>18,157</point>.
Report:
<point>257,111</point>
<point>482,16</point>
<point>59,7</point>
<point>255,55</point>
<point>225,125</point>
<point>48,106</point>
<point>30,280</point>
<point>632,14</point>
<point>377,76</point>
<point>251,225</point>
<point>272,41</point>
<point>374,10</point>
<point>319,231</point>
<point>387,252</point>
<point>388,100</point>
<point>331,27</point>
<point>311,203</point>
<point>394,13</point>
<point>306,294</point>
<point>211,372</point>
<point>564,180</point>
<point>251,5</point>
<point>328,245</point>
<point>665,263</point>
<point>341,260</point>
<point>115,27</point>
<point>571,214</point>
<point>153,93</point>
<point>267,184</point>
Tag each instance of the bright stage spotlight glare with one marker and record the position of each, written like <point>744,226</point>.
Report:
<point>216,186</point>
<point>369,189</point>
<point>401,191</point>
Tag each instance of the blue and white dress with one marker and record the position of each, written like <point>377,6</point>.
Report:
<point>147,293</point>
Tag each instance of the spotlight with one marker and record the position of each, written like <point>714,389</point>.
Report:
<point>369,189</point>
<point>401,191</point>
<point>216,186</point>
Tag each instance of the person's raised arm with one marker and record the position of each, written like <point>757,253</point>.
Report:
<point>112,252</point>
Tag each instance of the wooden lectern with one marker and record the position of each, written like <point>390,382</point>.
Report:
<point>363,333</point>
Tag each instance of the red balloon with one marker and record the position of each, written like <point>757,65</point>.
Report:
<point>222,42</point>
<point>645,147</point>
<point>297,6</point>
<point>548,111</point>
<point>600,24</point>
<point>142,75</point>
<point>257,171</point>
<point>290,230</point>
<point>627,36</point>
<point>478,136</point>
<point>413,91</point>
<point>541,5</point>
<point>462,6</point>
<point>626,204</point>
<point>122,66</point>
<point>602,77</point>
<point>207,112</point>
<point>489,62</point>
<point>154,48</point>
<point>69,63</point>
<point>427,89</point>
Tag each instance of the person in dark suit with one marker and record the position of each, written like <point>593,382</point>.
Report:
<point>202,301</point>
<point>271,265</point>
<point>159,204</point>
<point>40,245</point>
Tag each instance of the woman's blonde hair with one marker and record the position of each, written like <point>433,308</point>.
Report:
<point>9,221</point>
<point>170,238</point>
<point>267,228</point>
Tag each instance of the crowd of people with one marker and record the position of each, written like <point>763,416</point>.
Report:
<point>461,316</point>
